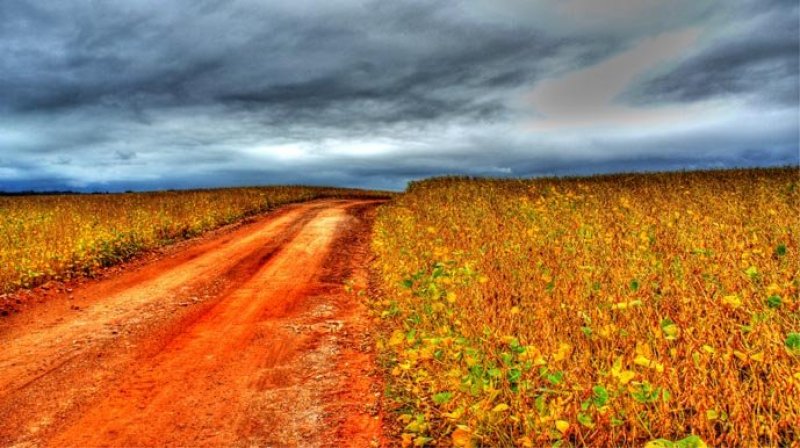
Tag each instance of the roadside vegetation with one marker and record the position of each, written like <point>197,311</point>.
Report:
<point>657,309</point>
<point>56,237</point>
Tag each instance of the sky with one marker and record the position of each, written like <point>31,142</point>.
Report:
<point>111,95</point>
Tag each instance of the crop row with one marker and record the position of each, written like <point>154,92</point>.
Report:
<point>614,310</point>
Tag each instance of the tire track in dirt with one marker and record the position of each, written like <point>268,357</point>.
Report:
<point>41,350</point>
<point>258,361</point>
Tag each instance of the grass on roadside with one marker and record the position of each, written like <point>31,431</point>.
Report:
<point>57,237</point>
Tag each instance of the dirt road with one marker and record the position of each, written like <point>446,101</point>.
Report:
<point>244,338</point>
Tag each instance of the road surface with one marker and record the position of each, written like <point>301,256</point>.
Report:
<point>246,337</point>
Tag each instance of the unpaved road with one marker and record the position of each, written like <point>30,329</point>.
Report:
<point>244,338</point>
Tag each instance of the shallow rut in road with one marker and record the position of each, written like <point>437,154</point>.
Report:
<point>243,339</point>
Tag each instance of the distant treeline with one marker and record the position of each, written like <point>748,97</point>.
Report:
<point>355,191</point>
<point>46,193</point>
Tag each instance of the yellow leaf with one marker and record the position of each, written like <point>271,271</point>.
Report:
<point>421,441</point>
<point>461,437</point>
<point>562,426</point>
<point>397,338</point>
<point>758,357</point>
<point>500,407</point>
<point>617,367</point>
<point>626,376</point>
<point>626,305</point>
<point>451,297</point>
<point>514,310</point>
<point>525,442</point>
<point>564,350</point>
<point>671,332</point>
<point>607,330</point>
<point>623,376</point>
<point>455,415</point>
<point>415,426</point>
<point>645,362</point>
<point>712,414</point>
<point>732,301</point>
<point>709,349</point>
<point>643,348</point>
<point>663,443</point>
<point>426,353</point>
<point>406,440</point>
<point>641,361</point>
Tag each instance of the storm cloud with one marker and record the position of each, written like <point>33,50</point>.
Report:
<point>146,94</point>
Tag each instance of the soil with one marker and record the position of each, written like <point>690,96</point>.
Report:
<point>251,336</point>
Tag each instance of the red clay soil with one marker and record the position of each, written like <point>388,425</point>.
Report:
<point>245,338</point>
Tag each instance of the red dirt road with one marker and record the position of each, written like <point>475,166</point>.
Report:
<point>245,338</point>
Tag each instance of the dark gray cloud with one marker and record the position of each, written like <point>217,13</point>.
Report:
<point>148,94</point>
<point>752,52</point>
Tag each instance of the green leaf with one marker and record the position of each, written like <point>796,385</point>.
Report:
<point>660,443</point>
<point>585,420</point>
<point>688,442</point>
<point>634,285</point>
<point>645,393</point>
<point>494,372</point>
<point>780,250</point>
<point>793,343</point>
<point>541,404</point>
<point>422,441</point>
<point>774,301</point>
<point>442,397</point>
<point>599,396</point>
<point>555,377</point>
<point>670,329</point>
<point>752,272</point>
